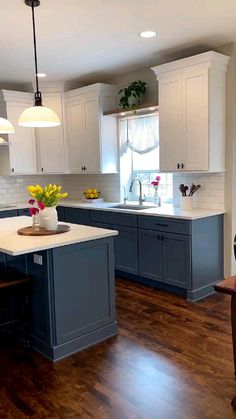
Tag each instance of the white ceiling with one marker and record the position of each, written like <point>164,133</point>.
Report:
<point>82,39</point>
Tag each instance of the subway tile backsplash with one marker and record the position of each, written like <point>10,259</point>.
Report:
<point>210,196</point>
<point>108,185</point>
<point>212,192</point>
<point>14,188</point>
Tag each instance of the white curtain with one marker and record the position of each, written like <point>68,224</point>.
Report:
<point>143,133</point>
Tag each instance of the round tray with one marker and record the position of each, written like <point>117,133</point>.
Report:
<point>28,231</point>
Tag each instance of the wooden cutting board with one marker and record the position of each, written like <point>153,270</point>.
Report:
<point>29,231</point>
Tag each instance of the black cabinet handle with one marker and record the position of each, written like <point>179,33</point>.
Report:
<point>42,169</point>
<point>12,170</point>
<point>84,168</point>
<point>162,225</point>
<point>182,165</point>
<point>178,166</point>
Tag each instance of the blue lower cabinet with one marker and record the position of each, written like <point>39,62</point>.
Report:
<point>76,216</point>
<point>126,249</point>
<point>61,213</point>
<point>150,255</point>
<point>8,213</point>
<point>177,260</point>
<point>24,211</point>
<point>2,262</point>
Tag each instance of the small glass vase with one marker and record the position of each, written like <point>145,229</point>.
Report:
<point>156,198</point>
<point>35,222</point>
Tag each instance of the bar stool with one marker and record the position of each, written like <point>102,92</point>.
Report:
<point>15,306</point>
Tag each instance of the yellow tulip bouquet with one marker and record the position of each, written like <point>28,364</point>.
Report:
<point>47,196</point>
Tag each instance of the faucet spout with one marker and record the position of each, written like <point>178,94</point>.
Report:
<point>141,198</point>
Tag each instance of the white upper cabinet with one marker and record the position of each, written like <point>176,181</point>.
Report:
<point>92,137</point>
<point>192,113</point>
<point>20,156</point>
<point>50,141</point>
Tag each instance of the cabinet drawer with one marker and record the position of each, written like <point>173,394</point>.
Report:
<point>8,213</point>
<point>164,224</point>
<point>24,211</point>
<point>76,216</point>
<point>127,220</point>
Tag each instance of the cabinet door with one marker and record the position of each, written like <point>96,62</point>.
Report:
<point>76,135</point>
<point>126,249</point>
<point>170,101</point>
<point>150,254</point>
<point>92,130</point>
<point>51,140</point>
<point>176,260</point>
<point>22,144</point>
<point>195,118</point>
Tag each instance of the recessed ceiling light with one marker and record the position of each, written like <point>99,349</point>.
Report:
<point>41,75</point>
<point>122,114</point>
<point>152,108</point>
<point>147,34</point>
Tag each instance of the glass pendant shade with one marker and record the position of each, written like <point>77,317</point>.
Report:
<point>39,117</point>
<point>3,141</point>
<point>6,127</point>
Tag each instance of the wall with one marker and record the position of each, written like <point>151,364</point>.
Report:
<point>14,188</point>
<point>230,179</point>
<point>144,74</point>
<point>210,196</point>
<point>108,185</point>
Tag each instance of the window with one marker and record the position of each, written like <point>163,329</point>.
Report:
<point>139,139</point>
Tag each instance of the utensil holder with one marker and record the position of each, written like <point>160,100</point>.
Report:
<point>186,203</point>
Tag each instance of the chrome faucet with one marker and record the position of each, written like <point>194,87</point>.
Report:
<point>141,198</point>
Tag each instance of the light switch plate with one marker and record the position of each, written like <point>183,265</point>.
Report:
<point>38,259</point>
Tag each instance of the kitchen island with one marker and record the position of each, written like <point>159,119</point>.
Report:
<point>73,296</point>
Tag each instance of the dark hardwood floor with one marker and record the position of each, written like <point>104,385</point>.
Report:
<point>171,360</point>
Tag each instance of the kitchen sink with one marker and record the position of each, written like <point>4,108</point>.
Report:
<point>133,207</point>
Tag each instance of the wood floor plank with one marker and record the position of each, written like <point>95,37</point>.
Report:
<point>171,359</point>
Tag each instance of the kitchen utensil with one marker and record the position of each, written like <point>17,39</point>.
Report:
<point>185,190</point>
<point>182,189</point>
<point>192,189</point>
<point>196,189</point>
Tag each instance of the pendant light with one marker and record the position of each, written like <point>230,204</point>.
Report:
<point>6,127</point>
<point>37,116</point>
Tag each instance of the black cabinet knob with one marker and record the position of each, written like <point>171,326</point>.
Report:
<point>178,165</point>
<point>182,165</point>
<point>12,170</point>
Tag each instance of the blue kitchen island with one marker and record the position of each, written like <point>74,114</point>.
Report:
<point>73,295</point>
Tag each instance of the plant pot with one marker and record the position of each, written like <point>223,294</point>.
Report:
<point>48,218</point>
<point>186,203</point>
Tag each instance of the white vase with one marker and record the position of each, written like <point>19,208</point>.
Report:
<point>49,218</point>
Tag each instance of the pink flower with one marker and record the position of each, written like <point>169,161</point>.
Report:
<point>41,205</point>
<point>158,178</point>
<point>31,201</point>
<point>33,211</point>
<point>154,183</point>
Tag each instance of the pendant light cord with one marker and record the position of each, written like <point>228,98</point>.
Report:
<point>38,99</point>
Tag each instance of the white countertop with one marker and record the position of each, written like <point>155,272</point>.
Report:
<point>163,211</point>
<point>13,244</point>
<point>166,210</point>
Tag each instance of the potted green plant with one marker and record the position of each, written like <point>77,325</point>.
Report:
<point>132,94</point>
